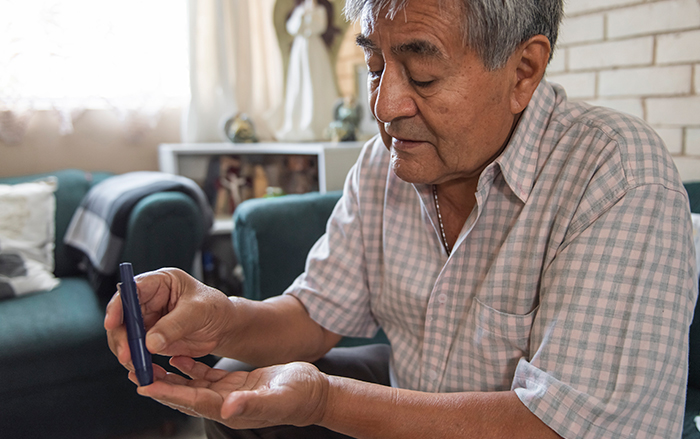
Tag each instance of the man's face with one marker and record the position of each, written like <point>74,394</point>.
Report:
<point>442,115</point>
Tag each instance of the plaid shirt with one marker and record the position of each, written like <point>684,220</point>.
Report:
<point>572,282</point>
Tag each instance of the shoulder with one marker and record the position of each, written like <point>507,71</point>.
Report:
<point>592,158</point>
<point>616,140</point>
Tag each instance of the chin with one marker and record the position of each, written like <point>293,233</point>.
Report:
<point>409,172</point>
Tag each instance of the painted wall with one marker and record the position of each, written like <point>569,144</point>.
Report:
<point>101,141</point>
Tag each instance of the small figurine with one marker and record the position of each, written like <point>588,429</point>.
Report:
<point>347,114</point>
<point>240,129</point>
<point>301,175</point>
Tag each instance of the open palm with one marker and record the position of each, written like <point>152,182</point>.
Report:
<point>290,394</point>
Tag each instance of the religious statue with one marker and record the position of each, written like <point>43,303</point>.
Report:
<point>311,91</point>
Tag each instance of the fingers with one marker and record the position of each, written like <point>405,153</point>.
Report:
<point>172,379</point>
<point>197,370</point>
<point>113,314</point>
<point>116,332</point>
<point>199,401</point>
<point>158,374</point>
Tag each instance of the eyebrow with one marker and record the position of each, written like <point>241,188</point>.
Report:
<point>418,47</point>
<point>365,43</point>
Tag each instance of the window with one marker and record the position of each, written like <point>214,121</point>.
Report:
<point>75,54</point>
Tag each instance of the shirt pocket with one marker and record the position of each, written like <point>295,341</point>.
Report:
<point>499,341</point>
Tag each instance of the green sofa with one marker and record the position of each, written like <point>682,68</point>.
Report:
<point>59,378</point>
<point>272,237</point>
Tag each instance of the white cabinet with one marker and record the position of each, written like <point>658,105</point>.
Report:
<point>329,163</point>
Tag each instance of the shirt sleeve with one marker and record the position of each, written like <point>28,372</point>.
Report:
<point>334,287</point>
<point>609,343</point>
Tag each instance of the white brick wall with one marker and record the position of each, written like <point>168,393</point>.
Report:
<point>673,48</point>
<point>645,81</point>
<point>579,6</point>
<point>641,57</point>
<point>692,140</point>
<point>582,29</point>
<point>681,111</point>
<point>609,54</point>
<point>653,18</point>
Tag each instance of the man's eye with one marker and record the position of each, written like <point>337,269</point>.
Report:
<point>375,74</point>
<point>422,84</point>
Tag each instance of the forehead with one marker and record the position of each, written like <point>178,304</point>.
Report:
<point>412,19</point>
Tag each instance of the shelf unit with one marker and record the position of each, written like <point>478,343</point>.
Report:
<point>191,160</point>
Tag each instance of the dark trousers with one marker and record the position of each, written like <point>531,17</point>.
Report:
<point>365,363</point>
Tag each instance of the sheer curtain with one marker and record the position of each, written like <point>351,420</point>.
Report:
<point>214,58</point>
<point>235,67</point>
<point>66,56</point>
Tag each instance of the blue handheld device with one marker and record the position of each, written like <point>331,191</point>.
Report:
<point>135,330</point>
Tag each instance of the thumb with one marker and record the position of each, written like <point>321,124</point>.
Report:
<point>240,404</point>
<point>260,408</point>
<point>170,329</point>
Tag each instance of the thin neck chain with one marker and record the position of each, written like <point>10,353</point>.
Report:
<point>442,227</point>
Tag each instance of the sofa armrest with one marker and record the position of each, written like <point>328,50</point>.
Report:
<point>165,229</point>
<point>272,236</point>
<point>693,189</point>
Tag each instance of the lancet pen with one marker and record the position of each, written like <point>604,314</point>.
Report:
<point>133,319</point>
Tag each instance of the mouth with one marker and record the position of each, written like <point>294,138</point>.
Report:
<point>405,137</point>
<point>401,144</point>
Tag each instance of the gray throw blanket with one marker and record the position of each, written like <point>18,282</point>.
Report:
<point>98,227</point>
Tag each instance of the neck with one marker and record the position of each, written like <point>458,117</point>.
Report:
<point>457,197</point>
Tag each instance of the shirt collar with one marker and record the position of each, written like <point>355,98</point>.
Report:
<point>519,162</point>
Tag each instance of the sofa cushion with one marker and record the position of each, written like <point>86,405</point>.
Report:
<point>60,380</point>
<point>27,216</point>
<point>63,327</point>
<point>73,184</point>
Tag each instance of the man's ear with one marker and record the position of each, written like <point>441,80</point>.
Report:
<point>529,62</point>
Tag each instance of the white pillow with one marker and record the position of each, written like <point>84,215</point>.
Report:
<point>27,237</point>
<point>696,239</point>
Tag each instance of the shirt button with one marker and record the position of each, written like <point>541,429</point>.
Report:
<point>432,375</point>
<point>442,298</point>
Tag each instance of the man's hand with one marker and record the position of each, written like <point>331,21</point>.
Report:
<point>290,394</point>
<point>182,316</point>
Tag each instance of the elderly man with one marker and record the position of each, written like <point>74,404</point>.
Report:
<point>529,259</point>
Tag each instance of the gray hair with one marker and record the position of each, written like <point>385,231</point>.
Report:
<point>494,28</point>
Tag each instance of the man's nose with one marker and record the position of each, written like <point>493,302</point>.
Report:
<point>394,97</point>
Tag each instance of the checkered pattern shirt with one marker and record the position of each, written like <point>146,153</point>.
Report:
<point>572,282</point>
